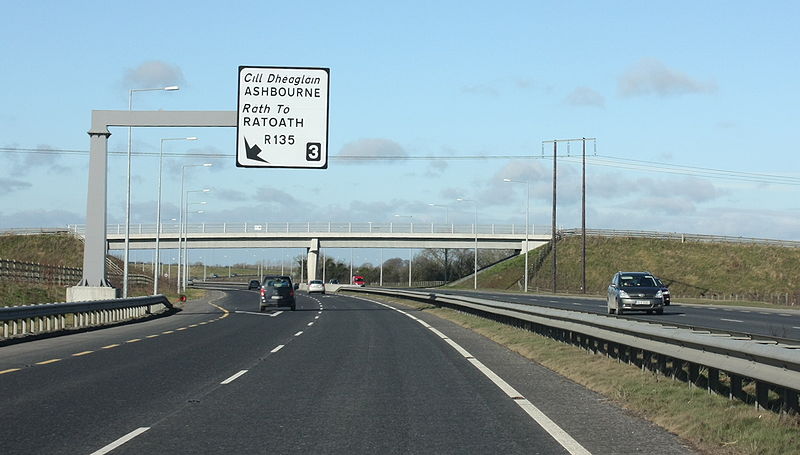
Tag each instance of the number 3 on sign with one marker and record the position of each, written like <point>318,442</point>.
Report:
<point>313,151</point>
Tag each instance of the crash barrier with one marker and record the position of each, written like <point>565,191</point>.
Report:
<point>52,317</point>
<point>760,371</point>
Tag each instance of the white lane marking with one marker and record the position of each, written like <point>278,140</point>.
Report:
<point>730,320</point>
<point>258,314</point>
<point>120,441</point>
<point>298,333</point>
<point>784,314</point>
<point>743,311</point>
<point>234,377</point>
<point>562,437</point>
<point>277,348</point>
<point>764,313</point>
<point>310,323</point>
<point>316,317</point>
<point>798,328</point>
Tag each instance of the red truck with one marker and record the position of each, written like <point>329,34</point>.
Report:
<point>359,280</point>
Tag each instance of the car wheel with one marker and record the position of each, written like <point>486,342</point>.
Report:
<point>660,311</point>
<point>649,311</point>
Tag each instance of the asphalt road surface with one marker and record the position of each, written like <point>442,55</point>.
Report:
<point>340,375</point>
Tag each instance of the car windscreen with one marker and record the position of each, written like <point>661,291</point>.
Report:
<point>637,281</point>
<point>316,282</point>
<point>281,284</point>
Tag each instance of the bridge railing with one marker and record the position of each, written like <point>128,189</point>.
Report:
<point>723,363</point>
<point>320,227</point>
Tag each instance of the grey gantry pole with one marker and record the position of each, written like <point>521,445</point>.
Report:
<point>93,284</point>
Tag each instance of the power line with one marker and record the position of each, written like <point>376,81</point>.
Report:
<point>593,160</point>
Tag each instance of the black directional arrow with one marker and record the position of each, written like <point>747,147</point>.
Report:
<point>252,152</point>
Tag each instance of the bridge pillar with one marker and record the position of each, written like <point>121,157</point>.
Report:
<point>313,257</point>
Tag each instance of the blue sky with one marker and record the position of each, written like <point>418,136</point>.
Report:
<point>709,85</point>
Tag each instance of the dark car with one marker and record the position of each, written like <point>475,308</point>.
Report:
<point>664,290</point>
<point>635,291</point>
<point>254,284</point>
<point>276,291</point>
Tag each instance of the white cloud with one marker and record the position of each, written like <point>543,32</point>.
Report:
<point>584,96</point>
<point>650,76</point>
<point>153,74</point>
<point>11,185</point>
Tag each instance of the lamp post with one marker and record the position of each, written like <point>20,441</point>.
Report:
<point>128,187</point>
<point>186,233</point>
<point>181,208</point>
<point>157,264</point>
<point>475,230</point>
<point>527,222</point>
<point>410,250</point>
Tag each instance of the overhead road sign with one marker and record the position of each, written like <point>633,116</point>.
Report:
<point>282,118</point>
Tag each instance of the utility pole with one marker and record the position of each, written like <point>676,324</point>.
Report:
<point>583,208</point>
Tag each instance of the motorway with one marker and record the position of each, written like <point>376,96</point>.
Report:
<point>341,375</point>
<point>757,321</point>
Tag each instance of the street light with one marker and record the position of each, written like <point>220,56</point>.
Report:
<point>186,233</point>
<point>527,222</point>
<point>475,230</point>
<point>157,264</point>
<point>128,187</point>
<point>410,250</point>
<point>180,215</point>
<point>445,207</point>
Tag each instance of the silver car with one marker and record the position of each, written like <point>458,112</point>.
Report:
<point>635,291</point>
<point>316,286</point>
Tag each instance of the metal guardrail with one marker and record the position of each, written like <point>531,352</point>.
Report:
<point>698,357</point>
<point>679,236</point>
<point>51,317</point>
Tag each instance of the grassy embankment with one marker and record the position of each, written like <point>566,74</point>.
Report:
<point>710,423</point>
<point>724,272</point>
<point>67,251</point>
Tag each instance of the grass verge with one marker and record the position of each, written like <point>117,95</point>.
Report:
<point>711,423</point>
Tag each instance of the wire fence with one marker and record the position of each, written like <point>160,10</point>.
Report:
<point>31,272</point>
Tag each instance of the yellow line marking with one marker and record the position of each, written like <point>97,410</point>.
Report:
<point>110,346</point>
<point>134,340</point>
<point>182,328</point>
<point>78,354</point>
<point>193,325</point>
<point>48,361</point>
<point>10,370</point>
<point>151,336</point>
<point>168,332</point>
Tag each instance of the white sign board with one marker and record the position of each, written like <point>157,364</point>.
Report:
<point>282,117</point>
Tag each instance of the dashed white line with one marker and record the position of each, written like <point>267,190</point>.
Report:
<point>798,328</point>
<point>298,333</point>
<point>275,314</point>
<point>233,378</point>
<point>730,320</point>
<point>277,348</point>
<point>120,441</point>
<point>310,323</point>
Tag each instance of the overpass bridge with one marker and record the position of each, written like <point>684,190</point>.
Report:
<point>314,236</point>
